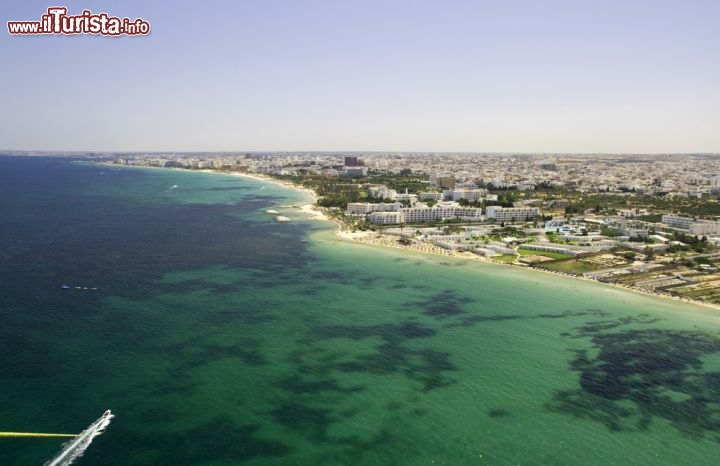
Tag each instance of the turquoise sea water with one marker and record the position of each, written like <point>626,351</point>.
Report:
<point>220,337</point>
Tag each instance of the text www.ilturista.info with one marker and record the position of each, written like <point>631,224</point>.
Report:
<point>57,21</point>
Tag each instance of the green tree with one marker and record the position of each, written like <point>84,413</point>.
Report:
<point>649,253</point>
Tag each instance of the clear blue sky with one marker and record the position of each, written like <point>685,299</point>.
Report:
<point>415,75</point>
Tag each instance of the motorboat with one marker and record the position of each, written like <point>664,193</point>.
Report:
<point>102,423</point>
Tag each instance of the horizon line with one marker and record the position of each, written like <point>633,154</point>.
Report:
<point>299,151</point>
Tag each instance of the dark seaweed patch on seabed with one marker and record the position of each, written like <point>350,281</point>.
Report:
<point>461,311</point>
<point>660,372</point>
<point>498,413</point>
<point>314,389</point>
<point>314,422</point>
<point>469,321</point>
<point>366,283</point>
<point>427,366</point>
<point>187,357</point>
<point>332,277</point>
<point>311,421</point>
<point>442,305</point>
<point>311,406</point>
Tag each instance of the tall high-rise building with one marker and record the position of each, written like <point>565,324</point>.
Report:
<point>353,162</point>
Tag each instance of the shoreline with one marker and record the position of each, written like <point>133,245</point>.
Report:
<point>365,238</point>
<point>309,208</point>
<point>370,238</point>
<point>256,177</point>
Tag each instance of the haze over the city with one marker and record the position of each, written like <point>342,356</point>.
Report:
<point>481,76</point>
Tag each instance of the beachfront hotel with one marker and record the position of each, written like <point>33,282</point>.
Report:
<point>385,218</point>
<point>512,214</point>
<point>379,213</point>
<point>364,208</point>
<point>442,211</point>
<point>387,214</point>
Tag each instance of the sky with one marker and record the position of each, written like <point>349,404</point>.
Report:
<point>550,76</point>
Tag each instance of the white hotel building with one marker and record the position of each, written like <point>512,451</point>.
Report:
<point>439,212</point>
<point>473,195</point>
<point>512,214</point>
<point>385,218</point>
<point>394,214</point>
<point>387,214</point>
<point>364,208</point>
<point>692,226</point>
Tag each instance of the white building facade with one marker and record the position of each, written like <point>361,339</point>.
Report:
<point>472,195</point>
<point>427,214</point>
<point>512,214</point>
<point>692,226</point>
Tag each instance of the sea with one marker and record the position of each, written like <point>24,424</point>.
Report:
<point>218,336</point>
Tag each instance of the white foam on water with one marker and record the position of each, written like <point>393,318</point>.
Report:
<point>74,449</point>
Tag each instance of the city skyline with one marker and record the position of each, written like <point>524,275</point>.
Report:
<point>461,76</point>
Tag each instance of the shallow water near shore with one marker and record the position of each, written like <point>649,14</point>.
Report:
<point>218,336</point>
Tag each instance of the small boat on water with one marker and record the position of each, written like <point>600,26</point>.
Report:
<point>103,423</point>
<point>280,218</point>
<point>272,212</point>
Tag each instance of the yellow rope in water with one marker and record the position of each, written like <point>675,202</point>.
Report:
<point>34,434</point>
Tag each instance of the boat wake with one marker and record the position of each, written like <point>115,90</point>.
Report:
<point>170,189</point>
<point>74,449</point>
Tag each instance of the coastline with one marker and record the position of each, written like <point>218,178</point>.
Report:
<point>253,176</point>
<point>391,242</point>
<point>372,239</point>
<point>309,208</point>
